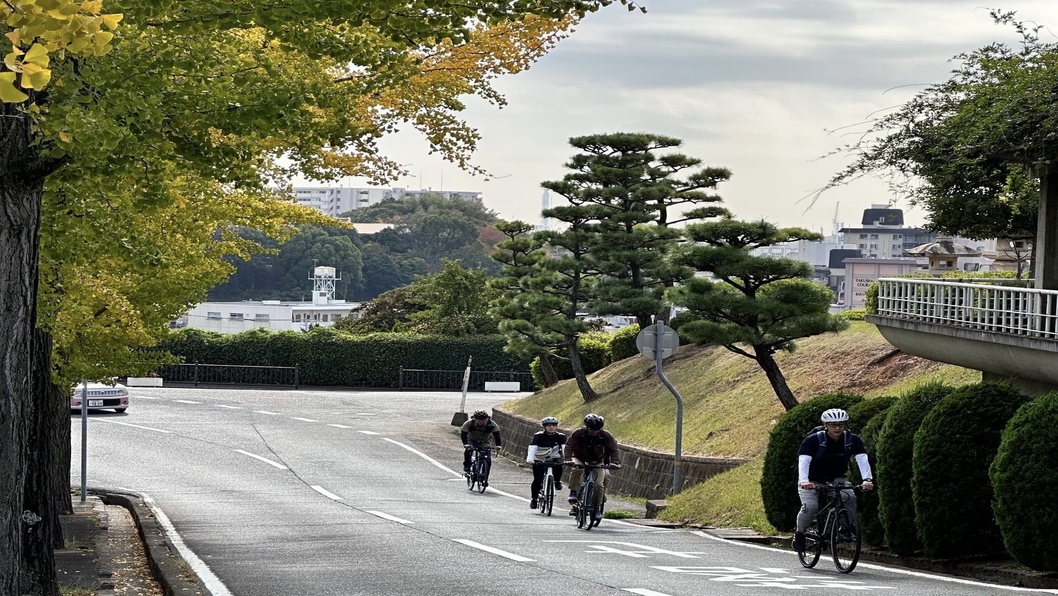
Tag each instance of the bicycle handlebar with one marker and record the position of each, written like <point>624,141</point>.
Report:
<point>591,466</point>
<point>836,486</point>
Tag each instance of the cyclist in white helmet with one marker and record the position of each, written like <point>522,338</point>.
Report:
<point>824,457</point>
<point>545,451</point>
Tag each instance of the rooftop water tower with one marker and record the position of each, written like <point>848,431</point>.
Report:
<point>323,279</point>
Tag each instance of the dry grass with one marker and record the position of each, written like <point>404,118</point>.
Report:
<point>729,406</point>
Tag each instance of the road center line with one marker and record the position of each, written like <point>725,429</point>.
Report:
<point>264,459</point>
<point>229,407</point>
<point>339,426</point>
<point>157,430</point>
<point>423,455</point>
<point>266,412</point>
<point>643,592</point>
<point>186,401</point>
<point>327,493</point>
<point>304,419</point>
<point>390,517</point>
<point>492,550</point>
<point>367,432</point>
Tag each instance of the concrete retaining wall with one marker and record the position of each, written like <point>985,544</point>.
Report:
<point>645,474</point>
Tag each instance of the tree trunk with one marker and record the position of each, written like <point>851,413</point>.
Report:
<point>1045,251</point>
<point>778,382</point>
<point>586,391</point>
<point>47,479</point>
<point>548,370</point>
<point>644,321</point>
<point>21,187</point>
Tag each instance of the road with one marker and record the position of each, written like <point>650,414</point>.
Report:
<point>346,493</point>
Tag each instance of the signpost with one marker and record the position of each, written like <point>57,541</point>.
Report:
<point>461,416</point>
<point>656,343</point>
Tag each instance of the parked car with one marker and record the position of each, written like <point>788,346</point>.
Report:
<point>101,397</point>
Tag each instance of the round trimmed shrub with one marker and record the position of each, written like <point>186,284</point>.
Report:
<point>623,343</point>
<point>892,465</point>
<point>1024,480</point>
<point>874,411</point>
<point>954,447</point>
<point>778,482</point>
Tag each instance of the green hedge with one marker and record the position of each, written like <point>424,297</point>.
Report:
<point>895,445</point>
<point>594,355</point>
<point>1024,477</point>
<point>623,343</point>
<point>869,415</point>
<point>778,482</point>
<point>954,448</point>
<point>329,357</point>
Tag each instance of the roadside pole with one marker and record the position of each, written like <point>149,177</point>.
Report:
<point>656,343</point>
<point>461,416</point>
<point>84,440</point>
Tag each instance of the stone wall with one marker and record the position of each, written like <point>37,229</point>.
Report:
<point>645,474</point>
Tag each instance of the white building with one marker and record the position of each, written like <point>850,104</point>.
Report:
<point>275,315</point>
<point>334,201</point>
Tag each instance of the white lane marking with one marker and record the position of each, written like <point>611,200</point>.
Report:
<point>339,426</point>
<point>143,397</point>
<point>264,459</point>
<point>229,407</point>
<point>186,401</point>
<point>157,430</point>
<point>213,583</point>
<point>644,592</point>
<point>304,419</point>
<point>367,432</point>
<point>492,550</point>
<point>423,455</point>
<point>266,412</point>
<point>390,517</point>
<point>775,570</point>
<point>327,493</point>
<point>364,414</point>
<point>954,580</point>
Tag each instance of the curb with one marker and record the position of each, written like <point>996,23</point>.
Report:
<point>168,567</point>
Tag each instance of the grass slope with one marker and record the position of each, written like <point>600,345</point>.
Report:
<point>729,407</point>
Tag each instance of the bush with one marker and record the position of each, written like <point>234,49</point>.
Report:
<point>954,448</point>
<point>778,482</point>
<point>894,446</point>
<point>854,314</point>
<point>594,355</point>
<point>870,415</point>
<point>1024,480</point>
<point>623,343</point>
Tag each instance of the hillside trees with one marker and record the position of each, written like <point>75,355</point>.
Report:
<point>762,303</point>
<point>214,97</point>
<point>636,193</point>
<point>977,151</point>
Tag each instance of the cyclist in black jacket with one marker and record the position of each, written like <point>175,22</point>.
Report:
<point>476,432</point>
<point>545,451</point>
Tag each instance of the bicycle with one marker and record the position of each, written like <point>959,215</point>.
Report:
<point>833,528</point>
<point>480,465</point>
<point>546,497</point>
<point>587,511</point>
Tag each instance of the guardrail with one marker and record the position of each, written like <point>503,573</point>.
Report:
<point>452,380</point>
<point>230,374</point>
<point>1027,312</point>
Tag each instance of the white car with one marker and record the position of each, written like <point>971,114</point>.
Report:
<point>101,397</point>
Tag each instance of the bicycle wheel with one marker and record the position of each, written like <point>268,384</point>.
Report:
<point>813,548</point>
<point>547,500</point>
<point>588,507</point>
<point>470,475</point>
<point>582,509</point>
<point>483,480</point>
<point>845,542</point>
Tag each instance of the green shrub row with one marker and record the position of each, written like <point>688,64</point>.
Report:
<point>328,357</point>
<point>959,472</point>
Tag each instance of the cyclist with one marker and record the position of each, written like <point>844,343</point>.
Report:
<point>545,451</point>
<point>590,444</point>
<point>824,457</point>
<point>475,432</point>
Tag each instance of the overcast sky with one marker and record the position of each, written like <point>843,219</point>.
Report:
<point>762,87</point>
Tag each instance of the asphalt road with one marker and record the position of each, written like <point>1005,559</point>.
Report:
<point>347,493</point>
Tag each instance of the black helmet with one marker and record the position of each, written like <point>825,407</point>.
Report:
<point>480,414</point>
<point>549,420</point>
<point>594,421</point>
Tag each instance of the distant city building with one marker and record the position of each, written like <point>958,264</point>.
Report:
<point>335,201</point>
<point>276,315</point>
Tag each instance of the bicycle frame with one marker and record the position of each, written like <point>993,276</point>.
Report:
<point>589,503</point>
<point>833,528</point>
<point>480,466</point>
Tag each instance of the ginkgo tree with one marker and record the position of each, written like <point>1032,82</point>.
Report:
<point>232,99</point>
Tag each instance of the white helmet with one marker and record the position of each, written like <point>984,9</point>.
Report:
<point>835,415</point>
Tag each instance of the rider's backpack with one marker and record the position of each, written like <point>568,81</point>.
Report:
<point>820,434</point>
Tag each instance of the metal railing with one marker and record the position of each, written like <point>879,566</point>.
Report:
<point>452,380</point>
<point>230,374</point>
<point>992,308</point>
